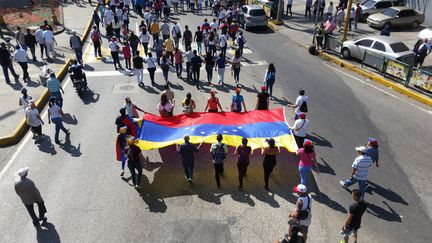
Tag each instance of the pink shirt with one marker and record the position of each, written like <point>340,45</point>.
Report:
<point>177,57</point>
<point>305,158</point>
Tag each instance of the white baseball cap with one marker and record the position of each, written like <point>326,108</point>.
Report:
<point>300,188</point>
<point>23,171</point>
<point>361,149</point>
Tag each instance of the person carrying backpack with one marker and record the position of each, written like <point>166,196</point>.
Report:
<point>97,41</point>
<point>301,217</point>
<point>237,102</point>
<point>219,152</point>
<point>300,104</point>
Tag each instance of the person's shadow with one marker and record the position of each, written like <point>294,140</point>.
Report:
<point>47,233</point>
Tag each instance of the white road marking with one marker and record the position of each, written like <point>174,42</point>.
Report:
<point>382,90</point>
<point>25,140</point>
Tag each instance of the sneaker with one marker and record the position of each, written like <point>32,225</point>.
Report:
<point>342,183</point>
<point>141,84</point>
<point>190,181</point>
<point>137,187</point>
<point>122,173</point>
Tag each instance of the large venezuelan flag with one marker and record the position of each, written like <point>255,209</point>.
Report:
<point>256,126</point>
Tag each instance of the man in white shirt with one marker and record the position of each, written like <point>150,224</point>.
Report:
<point>48,36</point>
<point>222,14</point>
<point>359,173</point>
<point>176,33</point>
<point>300,104</point>
<point>223,43</point>
<point>41,41</point>
<point>147,16</point>
<point>34,120</point>
<point>214,25</point>
<point>114,48</point>
<point>165,30</point>
<point>299,129</point>
<point>189,55</point>
<point>20,56</point>
<point>329,11</point>
<point>108,16</point>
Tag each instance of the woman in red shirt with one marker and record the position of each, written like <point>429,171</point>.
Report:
<point>213,102</point>
<point>127,55</point>
<point>307,161</point>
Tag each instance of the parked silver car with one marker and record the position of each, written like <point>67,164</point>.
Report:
<point>397,17</point>
<point>252,16</point>
<point>383,45</point>
<point>376,6</point>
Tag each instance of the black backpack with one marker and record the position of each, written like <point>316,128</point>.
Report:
<point>303,107</point>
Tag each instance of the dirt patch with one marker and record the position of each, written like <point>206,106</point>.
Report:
<point>33,15</point>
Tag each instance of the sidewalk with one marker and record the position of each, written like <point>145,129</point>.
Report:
<point>10,113</point>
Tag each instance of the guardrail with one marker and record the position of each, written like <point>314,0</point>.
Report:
<point>395,70</point>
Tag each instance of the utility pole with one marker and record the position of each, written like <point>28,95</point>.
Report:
<point>280,11</point>
<point>347,19</point>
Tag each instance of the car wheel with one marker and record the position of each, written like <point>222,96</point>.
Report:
<point>346,54</point>
<point>388,25</point>
<point>415,24</point>
<point>365,16</point>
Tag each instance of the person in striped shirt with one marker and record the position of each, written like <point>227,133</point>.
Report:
<point>359,172</point>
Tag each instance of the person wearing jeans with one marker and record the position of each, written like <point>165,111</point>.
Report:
<point>187,151</point>
<point>220,68</point>
<point>55,115</point>
<point>307,161</point>
<point>138,66</point>
<point>151,66</point>
<point>359,171</point>
<point>134,157</point>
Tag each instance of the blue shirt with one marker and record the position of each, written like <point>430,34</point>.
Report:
<point>53,85</point>
<point>220,62</point>
<point>373,153</point>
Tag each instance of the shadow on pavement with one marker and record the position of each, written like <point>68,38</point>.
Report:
<point>47,233</point>
<point>45,145</point>
<point>74,151</point>
<point>388,215</point>
<point>385,193</point>
<point>70,119</point>
<point>318,140</point>
<point>90,97</point>
<point>7,114</point>
<point>326,168</point>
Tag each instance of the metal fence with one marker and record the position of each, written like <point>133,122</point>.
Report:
<point>333,44</point>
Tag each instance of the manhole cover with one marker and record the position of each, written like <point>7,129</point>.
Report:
<point>125,88</point>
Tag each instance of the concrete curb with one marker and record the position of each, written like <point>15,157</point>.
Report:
<point>377,78</point>
<point>272,25</point>
<point>19,132</point>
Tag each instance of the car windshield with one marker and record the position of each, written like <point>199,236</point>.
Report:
<point>368,3</point>
<point>256,12</point>
<point>399,47</point>
<point>390,12</point>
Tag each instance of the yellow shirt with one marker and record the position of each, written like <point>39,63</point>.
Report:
<point>154,28</point>
<point>169,45</point>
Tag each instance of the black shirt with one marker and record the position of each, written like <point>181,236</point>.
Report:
<point>198,36</point>
<point>138,62</point>
<point>262,100</point>
<point>133,154</point>
<point>30,40</point>
<point>187,36</point>
<point>187,151</point>
<point>4,56</point>
<point>357,210</point>
<point>209,61</point>
<point>196,62</point>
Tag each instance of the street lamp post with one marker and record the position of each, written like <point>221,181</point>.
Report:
<point>347,19</point>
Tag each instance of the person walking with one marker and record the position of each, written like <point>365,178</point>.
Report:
<point>165,66</point>
<point>269,163</point>
<point>209,64</point>
<point>219,152</point>
<point>196,63</point>
<point>131,108</point>
<point>19,38</point>
<point>299,129</point>
<point>134,157</point>
<point>235,67</point>
<point>124,120</point>
<point>96,18</point>
<point>6,63</point>
<point>55,115</point>
<point>213,102</point>
<point>269,79</point>
<point>308,8</point>
<point>24,99</point>
<point>116,24</point>
<point>320,33</point>
<point>198,38</point>
<point>353,218</point>
<point>243,151</point>
<point>169,48</point>
<point>54,87</point>
<point>372,150</point>
<point>178,61</point>
<point>30,42</point>
<point>237,101</point>
<point>262,100</point>
<point>187,151</point>
<point>289,7</point>
<point>114,48</point>
<point>359,171</point>
<point>34,120</point>
<point>151,66</point>
<point>41,41</point>
<point>20,56</point>
<point>154,30</point>
<point>301,217</point>
<point>29,195</point>
<point>120,146</point>
<point>49,40</point>
<point>138,67</point>
<point>127,55</point>
<point>176,33</point>
<point>241,41</point>
<point>145,39</point>
<point>358,14</point>
<point>329,12</point>
<point>423,50</point>
<point>220,68</point>
<point>189,54</point>
<point>187,38</point>
<point>300,104</point>
<point>307,161</point>
<point>223,43</point>
<point>96,38</point>
<point>340,16</point>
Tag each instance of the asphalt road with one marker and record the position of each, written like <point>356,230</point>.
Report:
<point>87,200</point>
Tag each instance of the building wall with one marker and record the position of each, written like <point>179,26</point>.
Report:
<point>424,6</point>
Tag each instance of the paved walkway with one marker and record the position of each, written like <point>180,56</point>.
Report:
<point>10,113</point>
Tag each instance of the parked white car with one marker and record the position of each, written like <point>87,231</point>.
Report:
<point>425,34</point>
<point>383,45</point>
